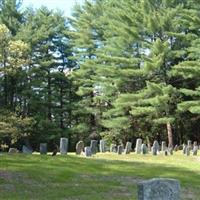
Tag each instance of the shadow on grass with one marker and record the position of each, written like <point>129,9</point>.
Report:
<point>78,178</point>
<point>63,167</point>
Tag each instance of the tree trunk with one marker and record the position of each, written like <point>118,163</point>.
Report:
<point>49,96</point>
<point>170,135</point>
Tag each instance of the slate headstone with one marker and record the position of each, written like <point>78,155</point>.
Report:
<point>144,149</point>
<point>43,148</point>
<point>120,149</point>
<point>159,189</point>
<point>88,152</point>
<point>138,146</point>
<point>26,150</point>
<point>94,146</point>
<point>79,147</point>
<point>63,145</point>
<point>128,148</point>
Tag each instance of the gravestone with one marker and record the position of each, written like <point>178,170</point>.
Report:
<point>166,152</point>
<point>102,146</point>
<point>43,148</point>
<point>187,151</point>
<point>128,148</point>
<point>170,150</point>
<point>79,147</point>
<point>159,189</point>
<point>120,149</point>
<point>195,143</point>
<point>26,150</point>
<point>13,150</point>
<point>113,148</point>
<point>176,148</point>
<point>189,144</point>
<point>195,150</point>
<point>184,148</point>
<point>155,148</point>
<point>144,149</point>
<point>88,152</point>
<point>94,146</point>
<point>63,145</point>
<point>138,146</point>
<point>163,146</point>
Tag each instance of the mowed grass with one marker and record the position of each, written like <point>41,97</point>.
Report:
<point>103,177</point>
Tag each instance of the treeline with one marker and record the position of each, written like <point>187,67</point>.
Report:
<point>117,69</point>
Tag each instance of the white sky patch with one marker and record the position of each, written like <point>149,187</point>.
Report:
<point>63,5</point>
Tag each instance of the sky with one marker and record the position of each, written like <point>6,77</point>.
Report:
<point>64,5</point>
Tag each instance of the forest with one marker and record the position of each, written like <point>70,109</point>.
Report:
<point>116,69</point>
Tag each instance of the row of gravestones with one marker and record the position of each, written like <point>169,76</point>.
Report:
<point>43,148</point>
<point>140,148</point>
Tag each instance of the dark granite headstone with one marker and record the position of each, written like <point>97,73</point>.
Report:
<point>26,150</point>
<point>94,146</point>
<point>43,148</point>
<point>120,149</point>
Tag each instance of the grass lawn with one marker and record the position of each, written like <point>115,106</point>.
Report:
<point>102,177</point>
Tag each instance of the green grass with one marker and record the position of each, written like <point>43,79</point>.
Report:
<point>102,177</point>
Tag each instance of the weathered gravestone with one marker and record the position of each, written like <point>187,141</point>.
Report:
<point>120,149</point>
<point>79,147</point>
<point>189,144</point>
<point>138,146</point>
<point>195,150</point>
<point>102,146</point>
<point>128,148</point>
<point>159,189</point>
<point>144,149</point>
<point>113,148</point>
<point>88,152</point>
<point>94,146</point>
<point>26,150</point>
<point>13,150</point>
<point>63,145</point>
<point>163,146</point>
<point>176,148</point>
<point>195,143</point>
<point>187,150</point>
<point>170,150</point>
<point>184,148</point>
<point>155,148</point>
<point>43,148</point>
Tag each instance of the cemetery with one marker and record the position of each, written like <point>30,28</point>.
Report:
<point>99,172</point>
<point>99,100</point>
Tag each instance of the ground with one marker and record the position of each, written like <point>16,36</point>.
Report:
<point>102,177</point>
